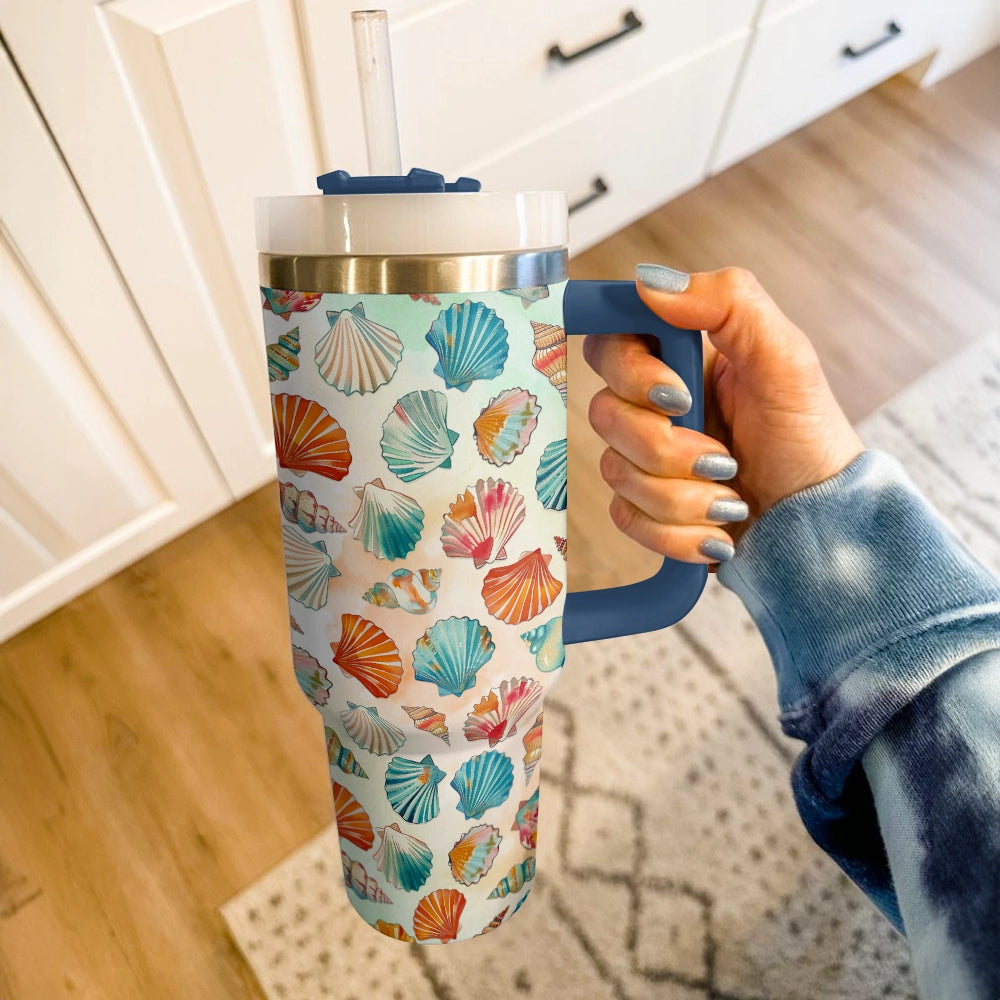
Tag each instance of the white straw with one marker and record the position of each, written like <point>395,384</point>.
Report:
<point>378,101</point>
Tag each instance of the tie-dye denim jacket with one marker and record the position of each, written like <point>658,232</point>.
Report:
<point>885,635</point>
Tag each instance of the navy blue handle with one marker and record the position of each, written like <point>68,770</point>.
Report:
<point>668,595</point>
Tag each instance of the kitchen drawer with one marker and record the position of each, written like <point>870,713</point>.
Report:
<point>797,68</point>
<point>647,145</point>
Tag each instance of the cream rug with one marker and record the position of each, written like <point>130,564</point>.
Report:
<point>682,872</point>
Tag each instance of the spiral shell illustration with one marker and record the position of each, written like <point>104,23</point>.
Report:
<point>404,860</point>
<point>437,915</point>
<point>503,428</point>
<point>340,756</point>
<point>476,850</point>
<point>283,357</point>
<point>311,676</point>
<point>532,748</point>
<point>411,788</point>
<point>428,721</point>
<point>495,922</point>
<point>546,642</point>
<point>550,480</point>
<point>479,528</point>
<point>450,653</point>
<point>308,439</point>
<point>283,303</point>
<point>528,295</point>
<point>560,545</point>
<point>415,437</point>
<point>308,568</point>
<point>414,591</point>
<point>360,882</point>
<point>394,931</point>
<point>482,782</point>
<point>302,508</point>
<point>366,653</point>
<point>370,731</point>
<point>356,354</point>
<point>550,354</point>
<point>498,712</point>
<point>387,523</point>
<point>294,625</point>
<point>353,823</point>
<point>515,879</point>
<point>471,343</point>
<point>521,590</point>
<point>526,822</point>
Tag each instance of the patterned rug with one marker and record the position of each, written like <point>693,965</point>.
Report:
<point>678,870</point>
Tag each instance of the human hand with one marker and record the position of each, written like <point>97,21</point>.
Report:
<point>768,406</point>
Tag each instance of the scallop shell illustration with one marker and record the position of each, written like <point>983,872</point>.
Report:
<point>411,788</point>
<point>308,439</point>
<point>560,545</point>
<point>366,653</point>
<point>528,295</point>
<point>294,625</point>
<point>370,731</point>
<point>425,297</point>
<point>394,931</point>
<point>429,721</point>
<point>340,756</point>
<point>353,823</point>
<point>404,860</point>
<point>311,676</point>
<point>357,354</point>
<point>550,354</point>
<point>521,901</point>
<point>532,748</point>
<point>546,642</point>
<point>482,782</point>
<point>526,822</point>
<point>415,437</point>
<point>450,653</point>
<point>503,428</point>
<point>515,879</point>
<point>437,915</point>
<point>521,590</point>
<point>387,523</point>
<point>302,508</point>
<point>283,303</point>
<point>283,357</point>
<point>480,528</point>
<point>308,568</point>
<point>498,712</point>
<point>414,591</point>
<point>474,853</point>
<point>358,880</point>
<point>550,480</point>
<point>495,922</point>
<point>471,343</point>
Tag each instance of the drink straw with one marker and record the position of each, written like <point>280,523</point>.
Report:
<point>378,102</point>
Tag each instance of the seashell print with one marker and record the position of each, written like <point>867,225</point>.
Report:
<point>550,354</point>
<point>522,590</point>
<point>437,915</point>
<point>411,788</point>
<point>404,860</point>
<point>471,857</point>
<point>515,879</point>
<point>394,931</point>
<point>495,922</point>
<point>425,297</point>
<point>340,756</point>
<point>560,545</point>
<point>450,653</point>
<point>546,643</point>
<point>502,430</point>
<point>308,568</point>
<point>471,343</point>
<point>283,303</point>
<point>353,823</point>
<point>526,822</point>
<point>482,782</point>
<point>479,529</point>
<point>294,625</point>
<point>415,438</point>
<point>308,439</point>
<point>550,480</point>
<point>357,354</point>
<point>532,748</point>
<point>520,902</point>
<point>498,712</point>
<point>429,721</point>
<point>387,523</point>
<point>302,508</point>
<point>283,357</point>
<point>370,731</point>
<point>414,591</point>
<point>366,653</point>
<point>360,882</point>
<point>528,295</point>
<point>311,676</point>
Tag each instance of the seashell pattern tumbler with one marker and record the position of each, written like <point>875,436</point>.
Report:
<point>416,347</point>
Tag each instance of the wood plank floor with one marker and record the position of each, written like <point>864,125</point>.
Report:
<point>155,753</point>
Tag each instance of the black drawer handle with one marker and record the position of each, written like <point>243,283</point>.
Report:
<point>891,30</point>
<point>598,189</point>
<point>630,23</point>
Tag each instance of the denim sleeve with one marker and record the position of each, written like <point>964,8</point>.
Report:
<point>884,632</point>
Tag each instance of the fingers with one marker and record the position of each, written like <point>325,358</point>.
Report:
<point>627,365</point>
<point>685,543</point>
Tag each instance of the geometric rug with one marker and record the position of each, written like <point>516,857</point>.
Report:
<point>677,869</point>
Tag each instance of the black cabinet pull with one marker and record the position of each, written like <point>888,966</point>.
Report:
<point>597,190</point>
<point>891,30</point>
<point>630,23</point>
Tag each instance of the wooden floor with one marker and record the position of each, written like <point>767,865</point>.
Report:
<point>155,753</point>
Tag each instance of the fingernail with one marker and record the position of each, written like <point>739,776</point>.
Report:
<point>715,549</point>
<point>715,466</point>
<point>672,399</point>
<point>663,279</point>
<point>728,509</point>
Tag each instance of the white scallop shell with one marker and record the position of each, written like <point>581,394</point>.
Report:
<point>308,568</point>
<point>356,354</point>
<point>370,731</point>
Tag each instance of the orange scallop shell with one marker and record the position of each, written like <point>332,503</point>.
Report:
<point>366,653</point>
<point>520,591</point>
<point>308,439</point>
<point>394,931</point>
<point>437,915</point>
<point>353,823</point>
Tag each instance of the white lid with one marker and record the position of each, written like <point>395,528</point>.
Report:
<point>383,224</point>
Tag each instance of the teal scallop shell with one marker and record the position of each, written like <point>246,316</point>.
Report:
<point>550,480</point>
<point>411,788</point>
<point>482,782</point>
<point>471,343</point>
<point>450,653</point>
<point>415,438</point>
<point>387,523</point>
<point>405,861</point>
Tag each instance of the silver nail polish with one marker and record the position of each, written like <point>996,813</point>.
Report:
<point>715,466</point>
<point>671,399</point>
<point>715,549</point>
<point>663,279</point>
<point>728,509</point>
